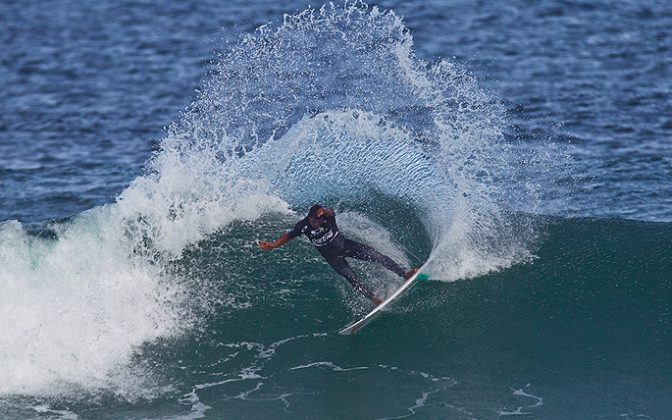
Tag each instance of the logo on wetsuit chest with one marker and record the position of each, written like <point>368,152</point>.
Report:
<point>322,236</point>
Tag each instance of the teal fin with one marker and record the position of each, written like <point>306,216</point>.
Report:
<point>423,277</point>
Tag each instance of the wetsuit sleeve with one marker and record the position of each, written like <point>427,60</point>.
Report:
<point>299,228</point>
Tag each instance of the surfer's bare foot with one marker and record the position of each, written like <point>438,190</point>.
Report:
<point>376,300</point>
<point>410,274</point>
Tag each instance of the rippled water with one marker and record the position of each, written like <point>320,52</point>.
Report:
<point>89,87</point>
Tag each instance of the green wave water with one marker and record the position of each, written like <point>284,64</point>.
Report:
<point>581,331</point>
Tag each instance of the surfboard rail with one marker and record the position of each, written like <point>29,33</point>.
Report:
<point>358,325</point>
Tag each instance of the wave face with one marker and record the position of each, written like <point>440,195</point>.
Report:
<point>331,106</point>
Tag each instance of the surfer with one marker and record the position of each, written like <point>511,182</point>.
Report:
<point>321,229</point>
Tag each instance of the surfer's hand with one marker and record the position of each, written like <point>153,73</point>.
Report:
<point>376,300</point>
<point>266,246</point>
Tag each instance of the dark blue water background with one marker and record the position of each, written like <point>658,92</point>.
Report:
<point>89,86</point>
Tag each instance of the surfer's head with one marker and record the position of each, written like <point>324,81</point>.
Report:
<point>315,216</point>
<point>313,211</point>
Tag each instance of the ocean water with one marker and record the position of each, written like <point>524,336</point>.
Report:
<point>522,149</point>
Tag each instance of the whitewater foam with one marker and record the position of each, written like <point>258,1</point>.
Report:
<point>77,308</point>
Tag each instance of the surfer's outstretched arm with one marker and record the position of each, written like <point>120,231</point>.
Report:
<point>298,229</point>
<point>267,246</point>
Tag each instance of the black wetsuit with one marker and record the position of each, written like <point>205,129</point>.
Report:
<point>335,248</point>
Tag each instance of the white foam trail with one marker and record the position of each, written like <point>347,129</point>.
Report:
<point>62,414</point>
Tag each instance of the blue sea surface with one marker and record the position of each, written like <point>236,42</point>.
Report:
<point>524,148</point>
<point>90,86</point>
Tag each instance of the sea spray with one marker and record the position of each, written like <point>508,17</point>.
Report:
<point>334,106</point>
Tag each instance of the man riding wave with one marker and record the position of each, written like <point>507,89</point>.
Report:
<point>321,229</point>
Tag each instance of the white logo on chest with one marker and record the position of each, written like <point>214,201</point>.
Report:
<point>321,236</point>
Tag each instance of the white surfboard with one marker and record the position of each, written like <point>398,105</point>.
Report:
<point>356,326</point>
